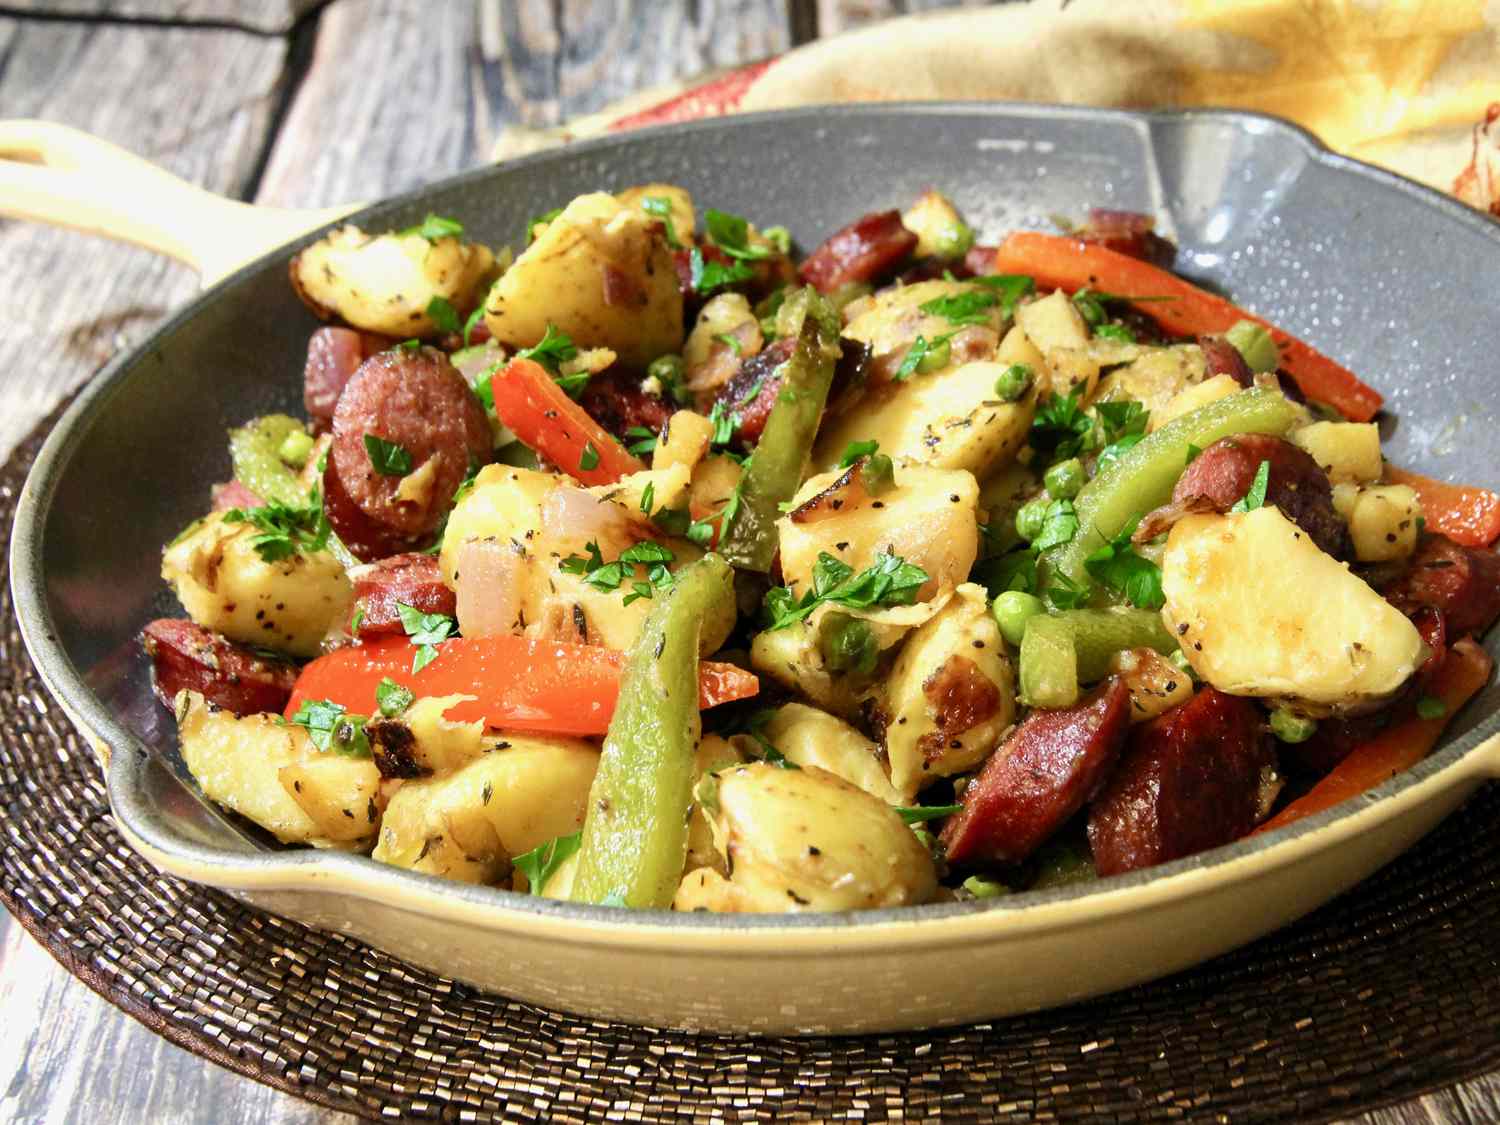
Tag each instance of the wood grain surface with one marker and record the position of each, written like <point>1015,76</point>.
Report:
<point>301,103</point>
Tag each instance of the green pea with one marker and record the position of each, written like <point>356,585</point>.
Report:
<point>1031,517</point>
<point>1289,726</point>
<point>955,241</point>
<point>847,644</point>
<point>1014,382</point>
<point>1065,479</point>
<point>1012,610</point>
<point>295,447</point>
<point>935,358</point>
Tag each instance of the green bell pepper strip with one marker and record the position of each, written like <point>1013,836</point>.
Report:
<point>254,449</point>
<point>1061,650</point>
<point>1143,477</point>
<point>635,831</point>
<point>774,473</point>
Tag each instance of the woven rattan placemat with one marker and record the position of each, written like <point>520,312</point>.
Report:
<point>1387,992</point>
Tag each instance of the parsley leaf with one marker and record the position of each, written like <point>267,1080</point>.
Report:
<point>1118,567</point>
<point>1059,525</point>
<point>648,497</point>
<point>331,727</point>
<point>1009,287</point>
<point>920,814</point>
<point>425,630</point>
<point>391,698</point>
<point>1256,497</point>
<point>477,315</point>
<point>1192,454</point>
<point>608,577</point>
<point>661,207</point>
<point>1114,451</point>
<point>434,227</point>
<point>855,450</point>
<point>1121,419</point>
<point>731,234</point>
<point>730,341</point>
<point>552,350</point>
<point>1064,593</point>
<point>444,315</point>
<point>707,276</point>
<point>890,580</point>
<point>1116,332</point>
<point>968,307</point>
<point>642,440</point>
<point>389,459</point>
<point>542,861</point>
<point>589,458</point>
<point>1060,428</point>
<point>1015,571</point>
<point>285,530</point>
<point>924,355</point>
<point>753,727</point>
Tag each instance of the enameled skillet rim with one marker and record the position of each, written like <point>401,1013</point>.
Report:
<point>310,869</point>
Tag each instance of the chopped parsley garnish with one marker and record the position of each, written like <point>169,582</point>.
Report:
<point>1431,707</point>
<point>331,727</point>
<point>434,227</point>
<point>589,458</point>
<point>968,307</point>
<point>1064,593</point>
<point>1120,419</point>
<point>924,355</point>
<point>707,276</point>
<point>426,631</point>
<point>1059,525</point>
<point>1014,571</point>
<point>406,345</point>
<point>753,728</point>
<point>285,530</point>
<point>642,440</point>
<point>477,315</point>
<point>541,220</point>
<point>484,387</point>
<point>891,580</point>
<point>1118,568</point>
<point>659,206</point>
<point>648,497</point>
<point>1009,287</point>
<point>389,459</point>
<point>1061,427</point>
<point>921,814</point>
<point>1116,332</point>
<point>731,234</point>
<point>443,315</point>
<point>553,350</point>
<point>1192,454</point>
<point>608,577</point>
<point>1256,497</point>
<point>1115,450</point>
<point>391,698</point>
<point>730,341</point>
<point>542,861</point>
<point>715,527</point>
<point>855,450</point>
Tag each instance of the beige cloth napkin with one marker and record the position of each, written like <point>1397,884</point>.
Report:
<point>1407,84</point>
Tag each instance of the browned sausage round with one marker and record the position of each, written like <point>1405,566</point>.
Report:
<point>366,539</point>
<point>382,587</point>
<point>1189,780</point>
<point>417,401</point>
<point>1462,583</point>
<point>1221,475</point>
<point>228,675</point>
<point>865,250</point>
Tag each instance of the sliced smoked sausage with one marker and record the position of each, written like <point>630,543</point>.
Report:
<point>868,248</point>
<point>407,579</point>
<point>233,676</point>
<point>416,403</point>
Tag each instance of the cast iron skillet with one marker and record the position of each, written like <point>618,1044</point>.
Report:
<point>1384,275</point>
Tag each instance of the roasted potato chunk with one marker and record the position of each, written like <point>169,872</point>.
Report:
<point>468,823</point>
<point>802,840</point>
<point>1259,610</point>
<point>809,737</point>
<point>602,273</point>
<point>949,697</point>
<point>384,283</point>
<point>225,585</point>
<point>269,771</point>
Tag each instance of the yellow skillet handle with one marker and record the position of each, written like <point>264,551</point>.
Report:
<point>55,174</point>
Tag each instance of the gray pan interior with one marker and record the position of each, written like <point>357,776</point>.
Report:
<point>1392,279</point>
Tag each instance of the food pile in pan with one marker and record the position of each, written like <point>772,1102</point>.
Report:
<point>653,566</point>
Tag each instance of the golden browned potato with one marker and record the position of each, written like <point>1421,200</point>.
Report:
<point>1259,610</point>
<point>803,840</point>
<point>384,283</point>
<point>269,771</point>
<point>809,737</point>
<point>468,823</point>
<point>602,273</point>
<point>224,584</point>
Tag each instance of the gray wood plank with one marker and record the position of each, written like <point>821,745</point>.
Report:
<point>265,16</point>
<point>466,70</point>
<point>74,301</point>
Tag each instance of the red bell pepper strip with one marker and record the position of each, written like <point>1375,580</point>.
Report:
<point>540,413</point>
<point>1465,669</point>
<point>1466,514</point>
<point>547,687</point>
<point>1059,262</point>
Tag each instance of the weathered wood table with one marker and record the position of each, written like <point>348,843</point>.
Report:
<point>297,103</point>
